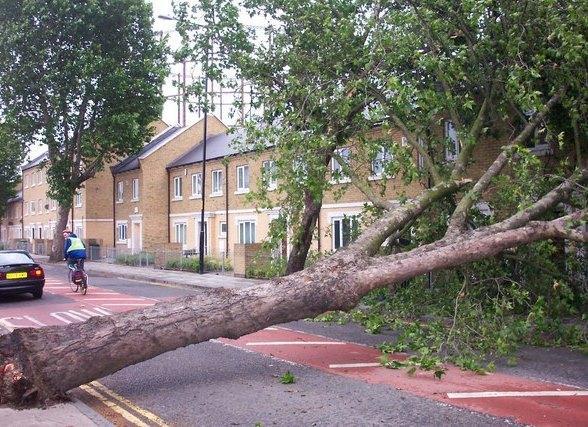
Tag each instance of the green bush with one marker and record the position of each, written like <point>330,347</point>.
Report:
<point>142,258</point>
<point>193,264</point>
<point>266,269</point>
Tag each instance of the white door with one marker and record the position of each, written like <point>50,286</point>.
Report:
<point>136,241</point>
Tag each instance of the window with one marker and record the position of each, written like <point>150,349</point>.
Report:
<point>52,204</point>
<point>78,200</point>
<point>135,189</point>
<point>40,206</point>
<point>33,207</point>
<point>79,230</point>
<point>382,157</point>
<point>452,151</point>
<point>122,232</point>
<point>242,179</point>
<point>26,209</point>
<point>181,233</point>
<point>197,185</point>
<point>178,187</point>
<point>223,229</point>
<point>120,188</point>
<point>217,182</point>
<point>336,168</point>
<point>269,174</point>
<point>27,179</point>
<point>33,179</point>
<point>345,230</point>
<point>246,232</point>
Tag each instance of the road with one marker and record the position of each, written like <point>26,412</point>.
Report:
<point>236,382</point>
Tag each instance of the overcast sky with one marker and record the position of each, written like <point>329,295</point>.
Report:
<point>170,110</point>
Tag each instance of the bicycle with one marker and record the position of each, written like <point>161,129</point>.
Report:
<point>80,283</point>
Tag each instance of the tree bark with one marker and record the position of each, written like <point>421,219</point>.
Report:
<point>42,364</point>
<point>301,244</point>
<point>57,246</point>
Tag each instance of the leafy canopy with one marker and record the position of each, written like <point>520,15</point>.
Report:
<point>82,77</point>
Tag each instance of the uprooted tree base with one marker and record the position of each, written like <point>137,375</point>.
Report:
<point>41,365</point>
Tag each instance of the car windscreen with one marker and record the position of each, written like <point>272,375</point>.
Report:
<point>10,258</point>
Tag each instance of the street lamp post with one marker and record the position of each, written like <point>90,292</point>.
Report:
<point>204,141</point>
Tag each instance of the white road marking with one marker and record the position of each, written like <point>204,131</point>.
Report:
<point>554,393</point>
<point>270,329</point>
<point>354,365</point>
<point>113,299</point>
<point>35,321</point>
<point>297,343</point>
<point>61,316</point>
<point>127,304</point>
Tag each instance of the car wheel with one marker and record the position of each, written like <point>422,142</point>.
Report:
<point>38,294</point>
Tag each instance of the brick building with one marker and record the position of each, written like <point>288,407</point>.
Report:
<point>141,196</point>
<point>11,227</point>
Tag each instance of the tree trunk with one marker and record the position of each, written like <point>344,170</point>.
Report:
<point>42,364</point>
<point>301,244</point>
<point>57,246</point>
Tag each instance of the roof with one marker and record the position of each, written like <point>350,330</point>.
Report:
<point>35,162</point>
<point>132,162</point>
<point>217,146</point>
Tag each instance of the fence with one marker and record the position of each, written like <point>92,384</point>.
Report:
<point>163,259</point>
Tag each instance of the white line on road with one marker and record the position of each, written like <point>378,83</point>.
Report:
<point>128,304</point>
<point>113,299</point>
<point>297,343</point>
<point>354,365</point>
<point>554,393</point>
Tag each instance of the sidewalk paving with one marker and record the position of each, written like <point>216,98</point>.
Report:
<point>181,278</point>
<point>73,413</point>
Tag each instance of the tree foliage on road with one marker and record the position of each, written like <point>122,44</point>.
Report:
<point>84,79</point>
<point>335,69</point>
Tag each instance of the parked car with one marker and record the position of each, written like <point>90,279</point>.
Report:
<point>19,273</point>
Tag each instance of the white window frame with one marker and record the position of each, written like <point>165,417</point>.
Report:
<point>78,200</point>
<point>40,207</point>
<point>449,132</point>
<point>269,173</point>
<point>120,191</point>
<point>242,179</point>
<point>337,224</point>
<point>222,234</point>
<point>135,190</point>
<point>217,183</point>
<point>336,167</point>
<point>196,185</point>
<point>79,231</point>
<point>242,231</point>
<point>384,155</point>
<point>183,228</point>
<point>178,188</point>
<point>33,208</point>
<point>122,226</point>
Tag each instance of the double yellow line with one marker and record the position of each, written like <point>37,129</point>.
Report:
<point>117,403</point>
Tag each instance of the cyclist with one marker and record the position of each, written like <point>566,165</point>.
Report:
<point>74,250</point>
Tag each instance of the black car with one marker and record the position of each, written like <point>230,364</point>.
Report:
<point>19,273</point>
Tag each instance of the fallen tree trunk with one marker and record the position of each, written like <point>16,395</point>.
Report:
<point>42,364</point>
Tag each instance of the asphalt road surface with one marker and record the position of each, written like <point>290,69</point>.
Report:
<point>218,383</point>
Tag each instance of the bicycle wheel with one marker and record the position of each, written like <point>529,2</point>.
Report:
<point>72,285</point>
<point>85,284</point>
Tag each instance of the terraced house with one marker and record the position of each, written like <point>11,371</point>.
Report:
<point>90,217</point>
<point>11,223</point>
<point>229,217</point>
<point>140,191</point>
<point>232,218</point>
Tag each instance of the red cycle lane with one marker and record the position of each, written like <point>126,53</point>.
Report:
<point>526,401</point>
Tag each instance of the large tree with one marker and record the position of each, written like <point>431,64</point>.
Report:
<point>84,79</point>
<point>11,156</point>
<point>494,68</point>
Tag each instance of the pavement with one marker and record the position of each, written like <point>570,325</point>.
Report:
<point>168,277</point>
